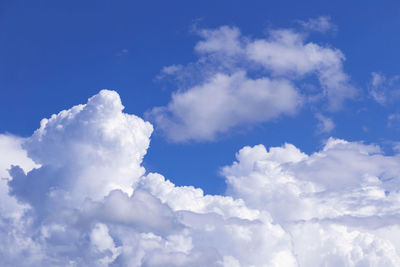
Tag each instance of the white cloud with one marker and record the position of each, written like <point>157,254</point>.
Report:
<point>102,241</point>
<point>320,24</point>
<point>170,70</point>
<point>382,89</point>
<point>286,53</point>
<point>336,204</point>
<point>214,104</point>
<point>90,203</point>
<point>325,124</point>
<point>12,153</point>
<point>223,102</point>
<point>225,40</point>
<point>108,143</point>
<point>283,53</point>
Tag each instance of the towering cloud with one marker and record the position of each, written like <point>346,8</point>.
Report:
<point>88,201</point>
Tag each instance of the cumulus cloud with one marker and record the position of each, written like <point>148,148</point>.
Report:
<point>286,53</point>
<point>223,102</point>
<point>336,203</point>
<point>11,153</point>
<point>87,201</point>
<point>284,58</point>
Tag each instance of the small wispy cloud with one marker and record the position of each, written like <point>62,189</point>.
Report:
<point>122,52</point>
<point>325,124</point>
<point>393,120</point>
<point>383,89</point>
<point>321,24</point>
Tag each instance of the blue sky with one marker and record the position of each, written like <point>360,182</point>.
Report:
<point>231,133</point>
<point>57,54</point>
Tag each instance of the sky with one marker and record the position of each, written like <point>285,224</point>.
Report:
<point>183,133</point>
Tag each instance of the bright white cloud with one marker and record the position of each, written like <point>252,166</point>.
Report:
<point>108,143</point>
<point>223,102</point>
<point>12,153</point>
<point>335,203</point>
<point>286,53</point>
<point>225,94</point>
<point>90,203</point>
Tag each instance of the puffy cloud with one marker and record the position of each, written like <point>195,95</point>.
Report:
<point>238,80</point>
<point>285,53</point>
<point>102,241</point>
<point>340,246</point>
<point>223,102</point>
<point>90,150</point>
<point>335,203</point>
<point>225,40</point>
<point>91,203</point>
<point>11,154</point>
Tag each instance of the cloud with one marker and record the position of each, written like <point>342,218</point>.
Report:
<point>325,124</point>
<point>92,140</point>
<point>282,59</point>
<point>382,89</point>
<point>320,24</point>
<point>225,40</point>
<point>223,102</point>
<point>170,70</point>
<point>91,203</point>
<point>338,204</point>
<point>123,52</point>
<point>285,174</point>
<point>393,120</point>
<point>13,153</point>
<point>285,53</point>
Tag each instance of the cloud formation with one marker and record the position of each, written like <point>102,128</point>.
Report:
<point>223,102</point>
<point>238,80</point>
<point>88,201</point>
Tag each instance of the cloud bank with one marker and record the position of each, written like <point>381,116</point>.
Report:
<point>87,201</point>
<point>240,80</point>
